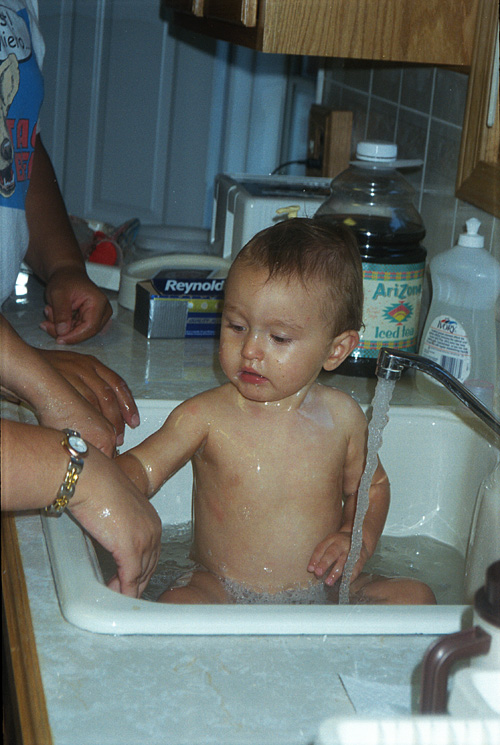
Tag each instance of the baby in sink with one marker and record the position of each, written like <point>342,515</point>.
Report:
<point>277,458</point>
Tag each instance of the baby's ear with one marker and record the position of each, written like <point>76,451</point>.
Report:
<point>341,347</point>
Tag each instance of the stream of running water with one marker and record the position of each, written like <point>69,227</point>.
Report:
<point>379,418</point>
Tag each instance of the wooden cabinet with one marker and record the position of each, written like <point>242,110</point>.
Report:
<point>439,32</point>
<point>25,710</point>
<point>478,176</point>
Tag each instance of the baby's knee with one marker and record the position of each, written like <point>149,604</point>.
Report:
<point>421,593</point>
<point>203,588</point>
<point>397,591</point>
<point>411,592</point>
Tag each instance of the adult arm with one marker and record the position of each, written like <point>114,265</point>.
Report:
<point>26,375</point>
<point>76,308</point>
<point>105,502</point>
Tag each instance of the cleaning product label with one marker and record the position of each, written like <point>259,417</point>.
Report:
<point>447,344</point>
<point>393,294</point>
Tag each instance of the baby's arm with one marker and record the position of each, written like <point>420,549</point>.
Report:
<point>130,464</point>
<point>330,555</point>
<point>157,458</point>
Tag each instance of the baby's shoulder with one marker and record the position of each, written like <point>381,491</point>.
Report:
<point>339,403</point>
<point>203,405</point>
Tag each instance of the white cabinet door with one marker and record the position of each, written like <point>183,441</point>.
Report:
<point>139,117</point>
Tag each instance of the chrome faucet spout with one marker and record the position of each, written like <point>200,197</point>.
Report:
<point>392,362</point>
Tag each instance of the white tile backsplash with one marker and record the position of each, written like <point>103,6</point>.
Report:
<point>422,108</point>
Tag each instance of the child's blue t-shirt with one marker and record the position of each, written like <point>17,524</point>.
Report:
<point>21,95</point>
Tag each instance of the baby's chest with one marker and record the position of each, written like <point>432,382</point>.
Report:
<point>277,454</point>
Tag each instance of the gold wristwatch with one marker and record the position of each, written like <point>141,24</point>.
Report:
<point>77,449</point>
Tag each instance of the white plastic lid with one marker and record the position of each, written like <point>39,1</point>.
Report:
<point>471,238</point>
<point>377,151</point>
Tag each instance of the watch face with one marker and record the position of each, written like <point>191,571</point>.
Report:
<point>78,444</point>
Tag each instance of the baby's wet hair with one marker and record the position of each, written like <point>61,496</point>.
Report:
<point>312,250</point>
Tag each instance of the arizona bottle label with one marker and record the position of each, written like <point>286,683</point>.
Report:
<point>393,294</point>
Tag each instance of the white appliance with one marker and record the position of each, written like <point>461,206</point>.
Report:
<point>245,204</point>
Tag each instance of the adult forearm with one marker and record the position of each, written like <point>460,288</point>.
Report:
<point>25,373</point>
<point>76,308</point>
<point>52,244</point>
<point>33,465</point>
<point>105,502</point>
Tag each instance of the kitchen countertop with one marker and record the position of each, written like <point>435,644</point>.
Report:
<point>102,690</point>
<point>168,368</point>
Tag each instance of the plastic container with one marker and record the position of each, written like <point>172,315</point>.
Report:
<point>474,691</point>
<point>484,541</point>
<point>460,333</point>
<point>376,202</point>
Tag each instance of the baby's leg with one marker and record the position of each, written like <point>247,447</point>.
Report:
<point>377,590</point>
<point>203,587</point>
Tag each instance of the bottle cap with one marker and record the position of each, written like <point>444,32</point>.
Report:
<point>379,154</point>
<point>471,238</point>
<point>377,151</point>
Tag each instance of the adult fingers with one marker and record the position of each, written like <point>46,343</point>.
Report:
<point>99,385</point>
<point>134,573</point>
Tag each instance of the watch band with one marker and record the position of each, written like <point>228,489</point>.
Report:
<point>75,467</point>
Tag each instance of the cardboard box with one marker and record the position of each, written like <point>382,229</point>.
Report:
<point>179,307</point>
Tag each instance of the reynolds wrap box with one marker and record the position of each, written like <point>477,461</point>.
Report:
<point>177,307</point>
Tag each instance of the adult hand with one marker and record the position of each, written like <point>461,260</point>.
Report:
<point>74,412</point>
<point>76,308</point>
<point>27,375</point>
<point>99,385</point>
<point>106,503</point>
<point>113,511</point>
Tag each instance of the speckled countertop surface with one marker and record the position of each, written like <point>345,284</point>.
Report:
<point>188,690</point>
<point>166,368</point>
<point>138,690</point>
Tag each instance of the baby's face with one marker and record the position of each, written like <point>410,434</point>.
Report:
<point>274,338</point>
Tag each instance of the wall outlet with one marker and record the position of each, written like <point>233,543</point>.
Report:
<point>329,140</point>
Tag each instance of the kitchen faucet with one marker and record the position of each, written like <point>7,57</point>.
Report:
<point>392,362</point>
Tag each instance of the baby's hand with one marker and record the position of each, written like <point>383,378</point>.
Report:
<point>329,557</point>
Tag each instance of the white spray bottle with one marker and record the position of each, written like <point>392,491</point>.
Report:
<point>460,332</point>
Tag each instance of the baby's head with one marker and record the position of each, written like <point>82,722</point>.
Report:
<point>324,257</point>
<point>292,307</point>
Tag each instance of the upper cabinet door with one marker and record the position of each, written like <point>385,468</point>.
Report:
<point>438,32</point>
<point>478,175</point>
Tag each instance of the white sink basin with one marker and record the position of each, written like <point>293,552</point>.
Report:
<point>436,459</point>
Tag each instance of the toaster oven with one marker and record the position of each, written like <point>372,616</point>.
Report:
<point>245,204</point>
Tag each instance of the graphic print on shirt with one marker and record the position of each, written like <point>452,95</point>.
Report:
<point>21,92</point>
